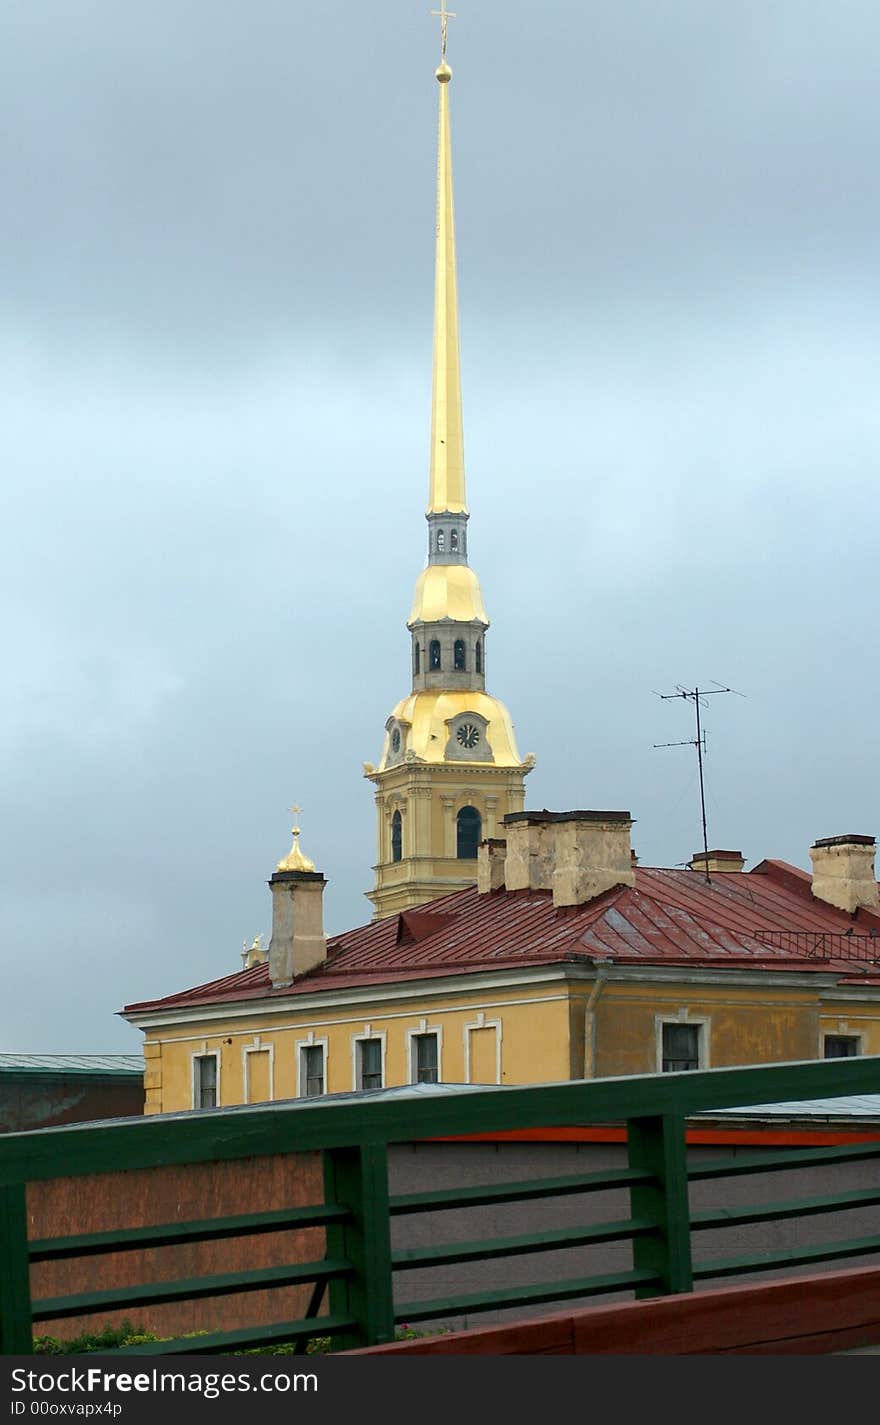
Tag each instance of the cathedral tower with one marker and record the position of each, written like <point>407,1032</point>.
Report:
<point>449,769</point>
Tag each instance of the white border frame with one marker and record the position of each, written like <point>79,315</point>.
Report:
<point>684,1016</point>
<point>423,1028</point>
<point>311,1042</point>
<point>203,1053</point>
<point>481,1022</point>
<point>841,1034</point>
<point>257,1047</point>
<point>356,1039</point>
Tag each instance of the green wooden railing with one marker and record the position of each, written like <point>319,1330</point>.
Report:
<point>359,1265</point>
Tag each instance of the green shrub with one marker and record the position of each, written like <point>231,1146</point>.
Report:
<point>111,1338</point>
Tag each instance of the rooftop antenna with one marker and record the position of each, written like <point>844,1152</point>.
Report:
<point>696,696</point>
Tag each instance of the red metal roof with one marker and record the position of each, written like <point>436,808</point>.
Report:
<point>670,917</point>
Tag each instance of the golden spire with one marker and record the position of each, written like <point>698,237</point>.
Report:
<point>446,485</point>
<point>295,860</point>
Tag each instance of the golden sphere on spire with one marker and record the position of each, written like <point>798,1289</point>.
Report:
<point>443,73</point>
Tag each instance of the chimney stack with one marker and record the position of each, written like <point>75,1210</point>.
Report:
<point>575,854</point>
<point>491,856</point>
<point>298,942</point>
<point>716,861</point>
<point>843,872</point>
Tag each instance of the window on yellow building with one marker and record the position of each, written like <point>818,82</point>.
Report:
<point>424,1058</point>
<point>842,1046</point>
<point>369,1063</point>
<point>312,1070</point>
<point>205,1081</point>
<point>681,1047</point>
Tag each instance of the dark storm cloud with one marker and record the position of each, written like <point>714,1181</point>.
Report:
<point>215,357</point>
<point>206,172</point>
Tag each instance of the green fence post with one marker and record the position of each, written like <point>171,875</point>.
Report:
<point>657,1144</point>
<point>16,1327</point>
<point>358,1178</point>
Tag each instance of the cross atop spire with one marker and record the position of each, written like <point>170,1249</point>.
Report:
<point>443,15</point>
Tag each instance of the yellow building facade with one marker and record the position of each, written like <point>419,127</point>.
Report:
<point>542,1032</point>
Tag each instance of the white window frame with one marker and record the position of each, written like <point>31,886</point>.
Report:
<point>411,1034</point>
<point>203,1053</point>
<point>842,1034</point>
<point>257,1047</point>
<point>684,1016</point>
<point>481,1022</point>
<point>310,1042</point>
<point>367,1033</point>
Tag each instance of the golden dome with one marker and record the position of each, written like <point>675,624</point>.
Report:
<point>295,860</point>
<point>426,714</point>
<point>447,591</point>
<point>443,72</point>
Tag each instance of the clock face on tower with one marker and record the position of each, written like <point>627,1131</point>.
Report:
<point>468,735</point>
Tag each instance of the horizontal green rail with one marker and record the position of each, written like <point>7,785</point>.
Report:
<point>779,1211</point>
<point>791,1257</point>
<point>303,1126</point>
<point>250,1338</point>
<point>48,1249</point>
<point>552,1241</point>
<point>524,1295</point>
<point>449,1198</point>
<point>778,1162</point>
<point>154,1293</point>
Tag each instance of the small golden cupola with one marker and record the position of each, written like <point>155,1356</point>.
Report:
<point>449,770</point>
<point>295,860</point>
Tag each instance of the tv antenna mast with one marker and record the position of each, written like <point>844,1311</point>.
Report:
<point>696,696</point>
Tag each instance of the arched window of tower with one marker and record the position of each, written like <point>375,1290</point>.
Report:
<point>453,539</point>
<point>397,837</point>
<point>441,541</point>
<point>469,825</point>
<point>417,658</point>
<point>434,653</point>
<point>458,657</point>
<point>478,656</point>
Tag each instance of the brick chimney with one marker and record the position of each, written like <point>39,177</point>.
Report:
<point>575,854</point>
<point>716,861</point>
<point>843,872</point>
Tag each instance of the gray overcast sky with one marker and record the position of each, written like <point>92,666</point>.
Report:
<point>216,345</point>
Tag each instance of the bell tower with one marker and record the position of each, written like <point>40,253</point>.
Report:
<point>449,770</point>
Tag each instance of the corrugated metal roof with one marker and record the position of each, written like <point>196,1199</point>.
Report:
<point>670,917</point>
<point>861,1106</point>
<point>72,1063</point>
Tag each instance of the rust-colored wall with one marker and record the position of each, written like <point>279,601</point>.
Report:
<point>148,1197</point>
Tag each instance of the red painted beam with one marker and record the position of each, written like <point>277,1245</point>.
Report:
<point>808,1315</point>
